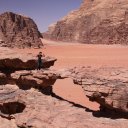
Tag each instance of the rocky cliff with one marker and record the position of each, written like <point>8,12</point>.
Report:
<point>96,22</point>
<point>18,31</point>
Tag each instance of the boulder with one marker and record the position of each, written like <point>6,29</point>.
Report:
<point>12,60</point>
<point>18,31</point>
<point>95,22</point>
<point>107,86</point>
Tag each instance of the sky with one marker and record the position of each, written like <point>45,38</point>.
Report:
<point>43,12</point>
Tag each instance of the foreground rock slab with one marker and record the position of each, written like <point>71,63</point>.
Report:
<point>34,109</point>
<point>107,86</point>
<point>12,60</point>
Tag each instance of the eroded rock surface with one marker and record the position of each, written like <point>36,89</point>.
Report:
<point>96,22</point>
<point>27,99</point>
<point>18,31</point>
<point>37,79</point>
<point>12,60</point>
<point>107,86</point>
<point>42,111</point>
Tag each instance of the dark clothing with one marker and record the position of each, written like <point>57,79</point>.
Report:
<point>39,65</point>
<point>39,57</point>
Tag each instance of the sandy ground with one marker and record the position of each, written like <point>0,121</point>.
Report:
<point>87,55</point>
<point>74,54</point>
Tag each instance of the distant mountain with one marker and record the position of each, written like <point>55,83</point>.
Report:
<point>95,22</point>
<point>18,31</point>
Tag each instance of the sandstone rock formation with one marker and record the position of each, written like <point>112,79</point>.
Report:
<point>107,86</point>
<point>17,68</point>
<point>18,31</point>
<point>27,99</point>
<point>36,79</point>
<point>96,22</point>
<point>33,109</point>
<point>12,60</point>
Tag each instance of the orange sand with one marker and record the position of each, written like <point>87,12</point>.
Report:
<point>70,55</point>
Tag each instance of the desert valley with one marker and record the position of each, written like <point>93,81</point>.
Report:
<point>84,79</point>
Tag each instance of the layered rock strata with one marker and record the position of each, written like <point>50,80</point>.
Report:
<point>36,79</point>
<point>17,68</point>
<point>12,60</point>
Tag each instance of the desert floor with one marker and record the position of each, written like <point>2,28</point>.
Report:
<point>74,54</point>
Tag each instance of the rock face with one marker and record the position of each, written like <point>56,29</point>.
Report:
<point>107,86</point>
<point>95,22</point>
<point>33,109</point>
<point>18,31</point>
<point>12,60</point>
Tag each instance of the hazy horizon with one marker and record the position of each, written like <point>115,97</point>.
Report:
<point>43,12</point>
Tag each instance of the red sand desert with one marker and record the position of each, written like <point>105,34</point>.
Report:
<point>70,55</point>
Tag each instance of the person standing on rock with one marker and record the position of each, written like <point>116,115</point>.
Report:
<point>39,64</point>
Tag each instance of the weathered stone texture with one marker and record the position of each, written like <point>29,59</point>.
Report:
<point>36,79</point>
<point>107,86</point>
<point>95,22</point>
<point>18,31</point>
<point>33,109</point>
